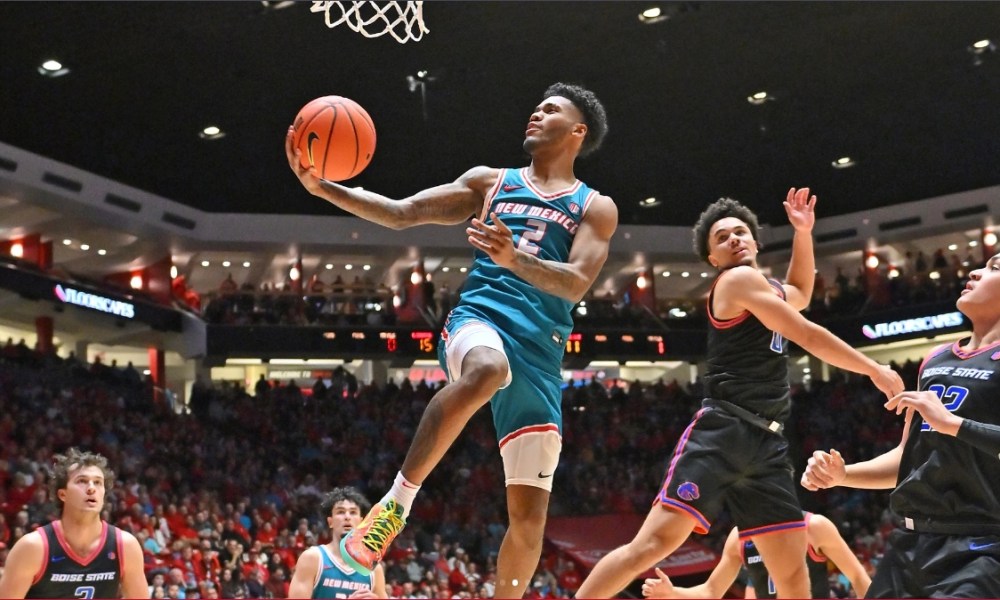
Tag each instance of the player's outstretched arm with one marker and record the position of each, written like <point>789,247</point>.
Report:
<point>801,210</point>
<point>827,469</point>
<point>746,288</point>
<point>569,280</point>
<point>446,204</point>
<point>23,563</point>
<point>824,537</point>
<point>718,582</point>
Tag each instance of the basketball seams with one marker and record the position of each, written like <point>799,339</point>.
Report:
<point>345,120</point>
<point>329,140</point>
<point>357,145</point>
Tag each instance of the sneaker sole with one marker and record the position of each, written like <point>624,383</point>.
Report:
<point>360,568</point>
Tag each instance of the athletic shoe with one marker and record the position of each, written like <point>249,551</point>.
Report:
<point>363,547</point>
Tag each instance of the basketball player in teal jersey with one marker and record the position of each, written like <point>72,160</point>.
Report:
<point>79,555</point>
<point>825,545</point>
<point>946,468</point>
<point>321,571</point>
<point>734,454</point>
<point>541,238</point>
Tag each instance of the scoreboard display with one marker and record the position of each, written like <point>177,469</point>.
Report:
<point>405,343</point>
<point>419,343</point>
<point>620,345</point>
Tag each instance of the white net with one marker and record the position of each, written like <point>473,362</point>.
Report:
<point>402,20</point>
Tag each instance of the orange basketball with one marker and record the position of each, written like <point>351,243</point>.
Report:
<point>336,135</point>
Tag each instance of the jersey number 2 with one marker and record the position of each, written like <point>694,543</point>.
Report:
<point>530,236</point>
<point>84,591</point>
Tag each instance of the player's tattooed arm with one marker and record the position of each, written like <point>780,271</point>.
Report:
<point>569,280</point>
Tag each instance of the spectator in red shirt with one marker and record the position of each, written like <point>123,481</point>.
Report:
<point>277,583</point>
<point>266,535</point>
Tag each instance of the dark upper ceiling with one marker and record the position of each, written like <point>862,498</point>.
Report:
<point>893,85</point>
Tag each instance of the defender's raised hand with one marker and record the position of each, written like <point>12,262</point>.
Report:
<point>801,209</point>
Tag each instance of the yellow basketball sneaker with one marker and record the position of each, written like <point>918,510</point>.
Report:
<point>364,546</point>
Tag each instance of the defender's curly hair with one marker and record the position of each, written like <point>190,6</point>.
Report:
<point>594,116</point>
<point>343,493</point>
<point>74,459</point>
<point>720,209</point>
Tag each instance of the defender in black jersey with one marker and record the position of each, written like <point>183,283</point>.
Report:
<point>733,454</point>
<point>825,545</point>
<point>946,469</point>
<point>78,556</point>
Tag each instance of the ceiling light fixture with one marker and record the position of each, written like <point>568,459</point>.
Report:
<point>246,263</point>
<point>980,49</point>
<point>52,68</point>
<point>759,98</point>
<point>653,14</point>
<point>649,202</point>
<point>212,132</point>
<point>843,162</point>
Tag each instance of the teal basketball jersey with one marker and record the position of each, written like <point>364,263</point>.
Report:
<point>337,580</point>
<point>543,225</point>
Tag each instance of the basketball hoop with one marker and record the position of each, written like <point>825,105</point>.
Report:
<point>402,20</point>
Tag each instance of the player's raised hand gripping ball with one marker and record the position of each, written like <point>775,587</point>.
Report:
<point>336,135</point>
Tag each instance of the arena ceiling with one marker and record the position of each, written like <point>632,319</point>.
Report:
<point>900,88</point>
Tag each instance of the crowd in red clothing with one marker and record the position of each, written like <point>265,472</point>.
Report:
<point>225,498</point>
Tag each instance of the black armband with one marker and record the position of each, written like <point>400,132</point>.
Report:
<point>984,436</point>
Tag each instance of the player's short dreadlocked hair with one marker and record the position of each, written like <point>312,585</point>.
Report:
<point>594,116</point>
<point>339,494</point>
<point>720,209</point>
<point>73,460</point>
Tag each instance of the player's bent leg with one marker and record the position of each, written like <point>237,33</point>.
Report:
<point>784,555</point>
<point>663,531</point>
<point>484,370</point>
<point>527,507</point>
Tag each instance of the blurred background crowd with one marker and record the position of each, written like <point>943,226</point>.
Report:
<point>223,493</point>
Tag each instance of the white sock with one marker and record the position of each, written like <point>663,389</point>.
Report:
<point>403,492</point>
